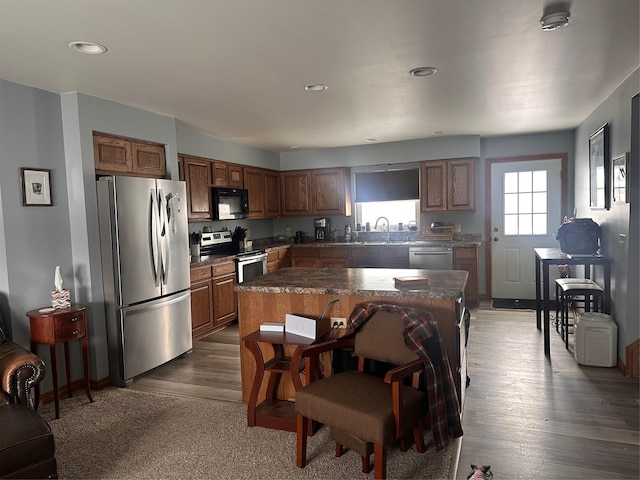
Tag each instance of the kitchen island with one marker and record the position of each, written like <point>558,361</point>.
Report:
<point>307,291</point>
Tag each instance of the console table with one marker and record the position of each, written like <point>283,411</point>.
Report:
<point>544,258</point>
<point>52,326</point>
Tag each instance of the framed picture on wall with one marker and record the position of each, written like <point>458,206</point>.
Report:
<point>599,168</point>
<point>620,176</point>
<point>36,187</point>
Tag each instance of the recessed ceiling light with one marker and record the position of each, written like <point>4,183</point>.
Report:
<point>88,48</point>
<point>422,71</point>
<point>316,87</point>
<point>438,132</point>
<point>293,147</point>
<point>372,140</point>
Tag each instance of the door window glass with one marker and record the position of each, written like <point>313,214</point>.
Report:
<point>525,203</point>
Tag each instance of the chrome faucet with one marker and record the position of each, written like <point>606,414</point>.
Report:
<point>375,227</point>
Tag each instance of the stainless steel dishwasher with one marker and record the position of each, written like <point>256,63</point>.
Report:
<point>430,257</point>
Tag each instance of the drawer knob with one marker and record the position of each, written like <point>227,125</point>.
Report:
<point>75,319</point>
<point>75,332</point>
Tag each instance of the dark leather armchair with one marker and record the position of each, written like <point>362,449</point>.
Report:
<point>27,448</point>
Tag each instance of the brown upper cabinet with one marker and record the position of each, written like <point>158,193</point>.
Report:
<point>448,185</point>
<point>119,155</point>
<point>197,174</point>
<point>227,175</point>
<point>264,192</point>
<point>323,191</point>
<point>201,174</point>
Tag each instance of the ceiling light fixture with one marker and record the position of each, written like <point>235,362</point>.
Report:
<point>316,87</point>
<point>371,140</point>
<point>88,48</point>
<point>422,71</point>
<point>553,19</point>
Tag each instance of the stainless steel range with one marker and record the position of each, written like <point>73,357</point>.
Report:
<point>249,264</point>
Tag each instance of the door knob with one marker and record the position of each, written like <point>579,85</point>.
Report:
<point>495,239</point>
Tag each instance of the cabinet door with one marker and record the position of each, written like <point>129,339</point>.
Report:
<point>461,195</point>
<point>295,192</point>
<point>220,177</point>
<point>330,192</point>
<point>272,193</point>
<point>466,258</point>
<point>201,309</point>
<point>198,177</point>
<point>254,183</point>
<point>394,257</point>
<point>224,299</point>
<point>112,154</point>
<point>433,185</point>
<point>148,159</point>
<point>234,176</point>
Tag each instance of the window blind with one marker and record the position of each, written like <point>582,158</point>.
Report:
<point>388,185</point>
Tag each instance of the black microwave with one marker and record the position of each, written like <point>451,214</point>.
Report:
<point>230,203</point>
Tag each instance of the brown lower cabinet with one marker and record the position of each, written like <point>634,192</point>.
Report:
<point>320,257</point>
<point>278,257</point>
<point>466,258</point>
<point>213,300</point>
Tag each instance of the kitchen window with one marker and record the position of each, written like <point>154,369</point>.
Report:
<point>393,193</point>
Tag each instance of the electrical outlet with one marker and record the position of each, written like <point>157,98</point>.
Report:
<point>337,322</point>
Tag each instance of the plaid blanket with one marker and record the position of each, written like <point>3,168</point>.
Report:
<point>421,336</point>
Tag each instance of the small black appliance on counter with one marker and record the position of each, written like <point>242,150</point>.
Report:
<point>322,229</point>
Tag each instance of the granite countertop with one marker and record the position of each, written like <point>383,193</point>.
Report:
<point>442,284</point>
<point>204,260</point>
<point>459,240</point>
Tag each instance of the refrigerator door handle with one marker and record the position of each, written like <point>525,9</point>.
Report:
<point>164,236</point>
<point>154,235</point>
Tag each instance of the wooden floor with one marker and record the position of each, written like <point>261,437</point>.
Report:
<point>526,415</point>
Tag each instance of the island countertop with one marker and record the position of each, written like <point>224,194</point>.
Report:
<point>442,284</point>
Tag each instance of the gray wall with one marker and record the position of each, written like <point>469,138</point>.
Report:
<point>33,240</point>
<point>616,111</point>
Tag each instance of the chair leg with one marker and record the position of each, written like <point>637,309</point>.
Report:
<point>366,465</point>
<point>301,441</point>
<point>379,461</point>
<point>418,438</point>
<point>339,449</point>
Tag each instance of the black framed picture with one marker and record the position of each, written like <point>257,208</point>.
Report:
<point>620,178</point>
<point>36,187</point>
<point>600,168</point>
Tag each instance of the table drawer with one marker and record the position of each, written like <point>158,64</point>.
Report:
<point>69,328</point>
<point>198,274</point>
<point>224,268</point>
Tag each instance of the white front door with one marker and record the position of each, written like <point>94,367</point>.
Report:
<point>526,211</point>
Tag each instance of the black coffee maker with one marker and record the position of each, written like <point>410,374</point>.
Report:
<point>322,229</point>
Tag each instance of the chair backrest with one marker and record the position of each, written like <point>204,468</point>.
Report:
<point>381,338</point>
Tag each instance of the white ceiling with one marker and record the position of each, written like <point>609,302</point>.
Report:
<point>235,69</point>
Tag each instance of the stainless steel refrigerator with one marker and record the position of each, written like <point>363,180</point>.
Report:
<point>144,241</point>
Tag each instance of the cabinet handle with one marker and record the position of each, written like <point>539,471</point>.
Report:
<point>75,319</point>
<point>75,332</point>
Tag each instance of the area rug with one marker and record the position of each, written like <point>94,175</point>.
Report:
<point>126,434</point>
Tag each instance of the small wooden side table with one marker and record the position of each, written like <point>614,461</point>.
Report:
<point>62,325</point>
<point>272,412</point>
